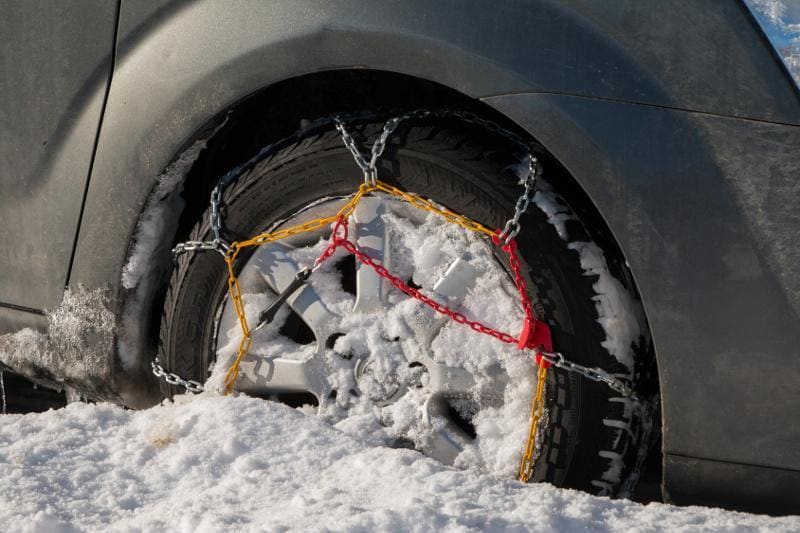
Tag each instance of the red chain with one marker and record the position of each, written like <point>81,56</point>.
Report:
<point>531,325</point>
<point>510,248</point>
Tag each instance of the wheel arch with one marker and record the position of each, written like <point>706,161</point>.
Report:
<point>236,133</point>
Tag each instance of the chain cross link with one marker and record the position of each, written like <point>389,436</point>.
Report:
<point>595,374</point>
<point>175,379</point>
<point>369,168</point>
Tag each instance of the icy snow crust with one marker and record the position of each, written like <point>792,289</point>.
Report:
<point>621,317</point>
<point>76,347</point>
<point>212,463</point>
<point>154,231</point>
<point>623,321</point>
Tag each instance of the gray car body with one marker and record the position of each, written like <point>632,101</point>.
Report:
<point>676,118</point>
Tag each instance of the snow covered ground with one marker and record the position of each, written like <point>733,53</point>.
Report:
<point>212,463</point>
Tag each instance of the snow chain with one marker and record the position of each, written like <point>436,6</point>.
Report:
<point>535,334</point>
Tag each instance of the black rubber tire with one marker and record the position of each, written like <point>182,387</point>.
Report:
<point>468,170</point>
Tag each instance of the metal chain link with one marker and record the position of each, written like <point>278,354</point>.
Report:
<point>513,226</point>
<point>216,216</point>
<point>3,389</point>
<point>595,374</point>
<point>350,143</point>
<point>175,379</point>
<point>370,170</point>
<point>217,244</point>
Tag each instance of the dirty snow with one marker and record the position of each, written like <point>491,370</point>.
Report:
<point>211,463</point>
<point>75,347</point>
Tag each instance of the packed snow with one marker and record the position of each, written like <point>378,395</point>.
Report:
<point>212,463</point>
<point>150,251</point>
<point>621,317</point>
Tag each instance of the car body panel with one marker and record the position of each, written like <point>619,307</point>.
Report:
<point>688,480</point>
<point>688,154</point>
<point>181,65</point>
<point>704,208</point>
<point>56,66</point>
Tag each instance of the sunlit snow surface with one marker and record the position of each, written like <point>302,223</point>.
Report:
<point>212,463</point>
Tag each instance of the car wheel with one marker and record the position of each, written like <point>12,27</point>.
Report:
<point>358,352</point>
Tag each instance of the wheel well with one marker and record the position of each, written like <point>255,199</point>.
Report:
<point>279,111</point>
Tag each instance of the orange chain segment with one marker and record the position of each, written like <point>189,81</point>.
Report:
<point>537,409</point>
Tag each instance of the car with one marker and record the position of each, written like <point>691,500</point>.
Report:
<point>154,152</point>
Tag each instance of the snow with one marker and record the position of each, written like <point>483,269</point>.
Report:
<point>144,268</point>
<point>211,463</point>
<point>623,321</point>
<point>620,315</point>
<point>423,249</point>
<point>76,346</point>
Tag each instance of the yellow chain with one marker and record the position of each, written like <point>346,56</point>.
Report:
<point>526,464</point>
<point>427,205</point>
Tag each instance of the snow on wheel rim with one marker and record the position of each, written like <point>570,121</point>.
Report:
<point>378,364</point>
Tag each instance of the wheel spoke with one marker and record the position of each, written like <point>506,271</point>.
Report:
<point>274,375</point>
<point>279,270</point>
<point>450,380</point>
<point>372,237</point>
<point>445,440</point>
<point>453,286</point>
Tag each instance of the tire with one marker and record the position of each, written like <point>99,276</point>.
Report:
<point>593,441</point>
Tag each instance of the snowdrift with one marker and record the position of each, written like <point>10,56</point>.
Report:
<point>212,463</point>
